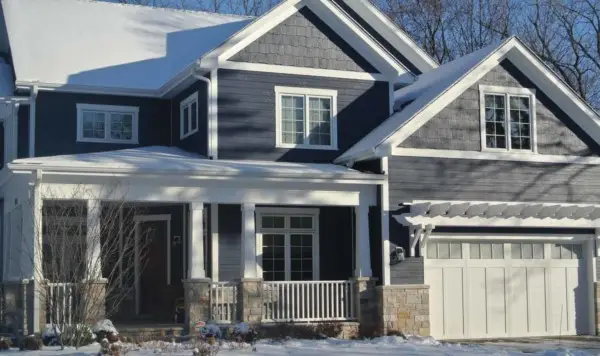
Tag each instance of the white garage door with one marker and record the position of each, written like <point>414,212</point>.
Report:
<point>488,289</point>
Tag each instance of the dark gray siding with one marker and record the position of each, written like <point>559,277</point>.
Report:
<point>304,40</point>
<point>409,271</point>
<point>56,122</point>
<point>457,126</point>
<point>230,239</point>
<point>198,142</point>
<point>466,179</point>
<point>367,27</point>
<point>247,114</point>
<point>23,132</point>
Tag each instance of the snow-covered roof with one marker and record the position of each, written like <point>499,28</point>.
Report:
<point>172,160</point>
<point>416,96</point>
<point>7,82</point>
<point>89,43</point>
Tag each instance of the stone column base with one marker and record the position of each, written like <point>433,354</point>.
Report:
<point>366,303</point>
<point>405,309</point>
<point>196,301</point>
<point>95,301</point>
<point>15,303</point>
<point>250,300</point>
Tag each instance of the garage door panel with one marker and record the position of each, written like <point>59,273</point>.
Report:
<point>536,300</point>
<point>453,303</point>
<point>435,280</point>
<point>558,280</point>
<point>496,302</point>
<point>518,301</point>
<point>478,318</point>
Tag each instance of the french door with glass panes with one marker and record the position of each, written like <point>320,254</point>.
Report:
<point>287,244</point>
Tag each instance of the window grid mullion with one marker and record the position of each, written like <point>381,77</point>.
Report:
<point>507,129</point>
<point>288,256</point>
<point>306,123</point>
<point>106,125</point>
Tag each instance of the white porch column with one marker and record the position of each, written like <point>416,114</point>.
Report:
<point>93,248</point>
<point>363,248</point>
<point>249,259</point>
<point>196,242</point>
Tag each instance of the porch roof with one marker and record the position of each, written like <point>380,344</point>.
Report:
<point>174,161</point>
<point>501,214</point>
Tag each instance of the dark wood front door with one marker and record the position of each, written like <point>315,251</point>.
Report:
<point>156,299</point>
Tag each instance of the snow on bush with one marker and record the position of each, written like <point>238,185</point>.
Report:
<point>211,329</point>
<point>241,328</point>
<point>105,326</point>
<point>50,331</point>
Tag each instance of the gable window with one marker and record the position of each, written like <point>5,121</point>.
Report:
<point>306,118</point>
<point>287,241</point>
<point>507,119</point>
<point>188,114</point>
<point>107,123</point>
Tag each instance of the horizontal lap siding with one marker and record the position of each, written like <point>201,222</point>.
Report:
<point>56,122</point>
<point>197,142</point>
<point>247,114</point>
<point>414,178</point>
<point>409,271</point>
<point>230,240</point>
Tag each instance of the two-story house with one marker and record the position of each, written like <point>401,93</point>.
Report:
<point>279,159</point>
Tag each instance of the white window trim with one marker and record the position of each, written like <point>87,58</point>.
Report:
<point>307,92</point>
<point>287,231</point>
<point>107,109</point>
<point>507,91</point>
<point>185,103</point>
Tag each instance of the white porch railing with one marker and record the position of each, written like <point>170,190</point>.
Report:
<point>308,301</point>
<point>60,303</point>
<point>223,301</point>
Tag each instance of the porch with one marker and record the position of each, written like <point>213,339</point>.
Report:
<point>228,241</point>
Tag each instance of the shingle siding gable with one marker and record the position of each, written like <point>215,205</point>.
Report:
<point>304,40</point>
<point>457,126</point>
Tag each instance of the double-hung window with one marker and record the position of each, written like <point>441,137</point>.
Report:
<point>188,115</point>
<point>287,241</point>
<point>507,119</point>
<point>107,123</point>
<point>306,118</point>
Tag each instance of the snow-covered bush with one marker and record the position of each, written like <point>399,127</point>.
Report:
<point>104,329</point>
<point>5,343</point>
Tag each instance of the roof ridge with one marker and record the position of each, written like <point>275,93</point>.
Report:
<point>167,9</point>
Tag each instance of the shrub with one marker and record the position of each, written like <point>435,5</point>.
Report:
<point>32,343</point>
<point>5,343</point>
<point>328,329</point>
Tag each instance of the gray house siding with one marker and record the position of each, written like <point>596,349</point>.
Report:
<point>466,179</point>
<point>197,142</point>
<point>56,122</point>
<point>23,131</point>
<point>371,31</point>
<point>409,271</point>
<point>304,40</point>
<point>457,126</point>
<point>247,114</point>
<point>335,242</point>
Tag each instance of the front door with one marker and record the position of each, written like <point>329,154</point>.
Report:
<point>155,298</point>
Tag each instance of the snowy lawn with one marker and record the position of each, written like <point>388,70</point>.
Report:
<point>387,346</point>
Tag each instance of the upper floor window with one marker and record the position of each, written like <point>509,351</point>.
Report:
<point>107,123</point>
<point>188,115</point>
<point>507,119</point>
<point>306,118</point>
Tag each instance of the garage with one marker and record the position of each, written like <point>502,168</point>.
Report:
<point>504,286</point>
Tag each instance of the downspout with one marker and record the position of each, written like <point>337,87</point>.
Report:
<point>33,97</point>
<point>198,76</point>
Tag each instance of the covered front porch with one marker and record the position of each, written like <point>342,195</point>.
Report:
<point>223,241</point>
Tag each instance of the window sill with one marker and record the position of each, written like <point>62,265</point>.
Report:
<point>91,140</point>
<point>307,147</point>
<point>181,137</point>
<point>502,151</point>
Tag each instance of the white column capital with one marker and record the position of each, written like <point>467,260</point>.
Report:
<point>196,205</point>
<point>248,206</point>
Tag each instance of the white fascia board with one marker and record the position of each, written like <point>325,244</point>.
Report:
<point>351,178</point>
<point>510,237</point>
<point>86,89</point>
<point>401,41</point>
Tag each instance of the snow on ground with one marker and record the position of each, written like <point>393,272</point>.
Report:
<point>387,346</point>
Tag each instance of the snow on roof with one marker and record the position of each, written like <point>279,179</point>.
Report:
<point>160,159</point>
<point>7,83</point>
<point>417,96</point>
<point>88,43</point>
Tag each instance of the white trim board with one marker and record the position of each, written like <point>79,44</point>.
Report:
<point>404,123</point>
<point>313,72</point>
<point>495,156</point>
